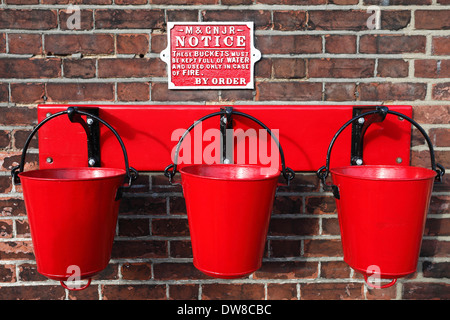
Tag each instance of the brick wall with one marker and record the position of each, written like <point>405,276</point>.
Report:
<point>314,52</point>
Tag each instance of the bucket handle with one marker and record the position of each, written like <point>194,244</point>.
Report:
<point>171,169</point>
<point>132,173</point>
<point>323,171</point>
<point>65,286</point>
<point>387,285</point>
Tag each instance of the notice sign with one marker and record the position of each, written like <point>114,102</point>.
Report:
<point>210,55</point>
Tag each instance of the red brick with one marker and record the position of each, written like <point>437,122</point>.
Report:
<point>289,68</point>
<point>177,271</point>
<point>4,92</point>
<point>288,91</point>
<point>432,68</point>
<point>134,227</point>
<point>28,19</point>
<point>322,248</point>
<point>432,19</point>
<point>5,139</point>
<point>160,92</point>
<point>399,2</point>
<point>432,114</point>
<point>80,92</point>
<point>136,271</point>
<point>129,19</point>
<point>320,205</point>
<point>285,248</point>
<point>187,2</point>
<point>23,229</point>
<point>129,2</point>
<point>27,92</point>
<point>443,1</point>
<point>441,91</point>
<point>233,291</point>
<point>338,19</point>
<point>126,68</point>
<point>170,227</point>
<point>286,44</point>
<point>136,249</point>
<point>440,137</point>
<point>435,269</point>
<point>19,116</point>
<point>21,2</point>
<point>2,43</point>
<point>86,2</point>
<point>393,68</point>
<point>287,270</point>
<point>17,250</point>
<point>20,136</point>
<point>30,68</point>
<point>340,92</point>
<point>132,43</point>
<point>441,45</point>
<point>183,291</point>
<point>341,68</point>
<point>289,20</point>
<point>437,227</point>
<point>79,43</point>
<point>133,91</point>
<point>134,292</point>
<point>293,2</point>
<point>6,228</point>
<point>86,19</point>
<point>331,291</point>
<point>340,43</point>
<point>79,68</point>
<point>182,15</point>
<point>343,2</point>
<point>392,91</point>
<point>261,18</point>
<point>282,291</point>
<point>293,227</point>
<point>7,273</point>
<point>334,269</point>
<point>158,42</point>
<point>143,205</point>
<point>22,43</point>
<point>55,292</point>
<point>434,248</point>
<point>425,291</point>
<point>395,19</point>
<point>392,44</point>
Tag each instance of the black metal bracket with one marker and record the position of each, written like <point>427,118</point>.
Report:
<point>226,122</point>
<point>92,128</point>
<point>359,128</point>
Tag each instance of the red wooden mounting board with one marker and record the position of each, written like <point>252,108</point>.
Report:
<point>146,130</point>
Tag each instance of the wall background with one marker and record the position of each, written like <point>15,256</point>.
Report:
<point>313,52</point>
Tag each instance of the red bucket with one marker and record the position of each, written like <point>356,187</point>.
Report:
<point>72,212</point>
<point>382,211</point>
<point>229,208</point>
<point>72,215</point>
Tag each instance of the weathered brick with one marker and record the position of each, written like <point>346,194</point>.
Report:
<point>441,91</point>
<point>134,292</point>
<point>30,68</point>
<point>288,270</point>
<point>322,248</point>
<point>432,68</point>
<point>261,18</point>
<point>392,68</point>
<point>340,91</point>
<point>281,291</point>
<point>340,43</point>
<point>182,15</point>
<point>19,116</point>
<point>28,272</point>
<point>183,291</point>
<point>288,91</point>
<point>67,44</point>
<point>55,292</point>
<point>293,227</point>
<point>395,19</point>
<point>4,92</point>
<point>134,227</point>
<point>17,250</point>
<point>139,249</point>
<point>133,91</point>
<point>136,271</point>
<point>80,91</point>
<point>125,68</point>
<point>432,19</point>
<point>132,43</point>
<point>177,271</point>
<point>170,227</point>
<point>284,248</point>
<point>397,2</point>
<point>289,68</point>
<point>391,44</point>
<point>440,137</point>
<point>86,20</point>
<point>320,205</point>
<point>289,20</point>
<point>233,291</point>
<point>338,20</point>
<point>432,114</point>
<point>20,137</point>
<point>7,273</point>
<point>5,138</point>
<point>334,269</point>
<point>79,68</point>
<point>2,42</point>
<point>435,269</point>
<point>160,92</point>
<point>331,291</point>
<point>425,291</point>
<point>27,92</point>
<point>35,19</point>
<point>288,44</point>
<point>392,91</point>
<point>6,228</point>
<point>23,43</point>
<point>341,68</point>
<point>129,19</point>
<point>441,45</point>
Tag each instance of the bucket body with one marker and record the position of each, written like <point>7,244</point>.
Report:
<point>72,214</point>
<point>229,208</point>
<point>382,212</point>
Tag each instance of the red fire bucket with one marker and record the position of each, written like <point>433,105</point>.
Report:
<point>72,213</point>
<point>382,211</point>
<point>229,208</point>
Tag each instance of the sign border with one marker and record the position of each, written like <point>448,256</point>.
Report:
<point>255,55</point>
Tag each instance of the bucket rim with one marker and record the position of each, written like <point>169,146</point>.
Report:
<point>116,172</point>
<point>271,176</point>
<point>430,173</point>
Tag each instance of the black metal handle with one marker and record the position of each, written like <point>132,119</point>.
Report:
<point>71,111</point>
<point>323,171</point>
<point>287,173</point>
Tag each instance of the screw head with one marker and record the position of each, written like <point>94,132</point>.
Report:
<point>361,120</point>
<point>91,162</point>
<point>49,160</point>
<point>359,162</point>
<point>90,121</point>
